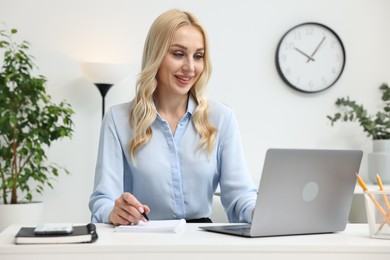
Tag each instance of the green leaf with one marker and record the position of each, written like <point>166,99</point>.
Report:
<point>29,122</point>
<point>377,126</point>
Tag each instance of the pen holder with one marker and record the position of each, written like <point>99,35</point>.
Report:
<point>378,213</point>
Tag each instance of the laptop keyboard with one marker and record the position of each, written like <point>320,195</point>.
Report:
<point>239,227</point>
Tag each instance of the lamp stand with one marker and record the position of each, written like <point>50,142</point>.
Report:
<point>103,89</point>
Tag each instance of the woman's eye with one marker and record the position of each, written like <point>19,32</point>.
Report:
<point>178,54</point>
<point>198,56</point>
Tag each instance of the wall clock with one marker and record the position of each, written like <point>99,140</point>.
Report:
<point>310,57</point>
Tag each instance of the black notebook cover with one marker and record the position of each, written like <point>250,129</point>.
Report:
<point>80,234</point>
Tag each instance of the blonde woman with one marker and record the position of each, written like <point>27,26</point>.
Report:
<point>164,153</point>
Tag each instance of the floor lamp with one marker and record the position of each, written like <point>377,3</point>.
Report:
<point>104,76</point>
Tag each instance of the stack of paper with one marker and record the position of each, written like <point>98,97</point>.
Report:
<point>174,226</point>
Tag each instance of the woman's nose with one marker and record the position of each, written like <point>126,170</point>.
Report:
<point>189,64</point>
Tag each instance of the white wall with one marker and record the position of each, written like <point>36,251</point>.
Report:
<point>243,35</point>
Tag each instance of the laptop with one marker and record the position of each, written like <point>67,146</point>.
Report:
<point>301,191</point>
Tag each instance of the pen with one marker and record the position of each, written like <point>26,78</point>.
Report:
<point>145,216</point>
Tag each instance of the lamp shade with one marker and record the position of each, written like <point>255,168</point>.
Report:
<point>104,73</point>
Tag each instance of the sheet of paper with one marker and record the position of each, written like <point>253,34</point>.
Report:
<point>174,226</point>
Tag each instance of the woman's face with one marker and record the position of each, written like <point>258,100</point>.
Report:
<point>183,64</point>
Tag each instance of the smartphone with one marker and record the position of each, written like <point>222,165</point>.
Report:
<point>53,229</point>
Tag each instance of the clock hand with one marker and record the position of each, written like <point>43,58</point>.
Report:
<point>314,52</point>
<point>304,54</point>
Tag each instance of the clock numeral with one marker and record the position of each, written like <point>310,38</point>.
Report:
<point>339,57</point>
<point>297,81</point>
<point>324,82</point>
<point>309,31</point>
<point>297,35</point>
<point>311,84</point>
<point>334,44</point>
<point>289,46</point>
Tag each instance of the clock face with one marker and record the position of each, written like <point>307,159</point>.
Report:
<point>310,57</point>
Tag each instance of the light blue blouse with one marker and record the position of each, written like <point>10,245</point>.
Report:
<point>171,174</point>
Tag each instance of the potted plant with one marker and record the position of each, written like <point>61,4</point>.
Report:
<point>29,123</point>
<point>376,126</point>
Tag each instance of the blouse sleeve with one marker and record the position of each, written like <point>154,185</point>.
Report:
<point>108,183</point>
<point>238,193</point>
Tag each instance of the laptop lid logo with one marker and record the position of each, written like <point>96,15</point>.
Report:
<point>310,191</point>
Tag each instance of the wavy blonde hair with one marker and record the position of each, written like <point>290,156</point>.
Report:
<point>143,112</point>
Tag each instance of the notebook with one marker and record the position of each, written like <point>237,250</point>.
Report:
<point>80,234</point>
<point>301,191</point>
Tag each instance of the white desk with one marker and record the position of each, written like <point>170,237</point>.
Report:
<point>192,243</point>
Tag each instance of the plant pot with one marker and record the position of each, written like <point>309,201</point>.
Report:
<point>379,161</point>
<point>30,213</point>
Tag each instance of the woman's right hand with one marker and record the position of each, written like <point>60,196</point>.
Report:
<point>127,210</point>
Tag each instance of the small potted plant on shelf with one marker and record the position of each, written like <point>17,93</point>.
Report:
<point>376,126</point>
<point>29,123</point>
